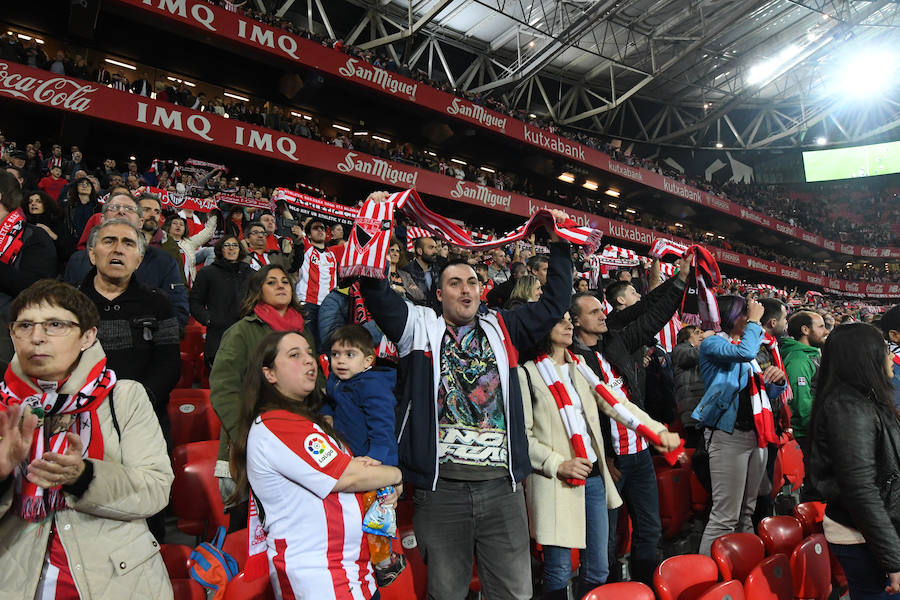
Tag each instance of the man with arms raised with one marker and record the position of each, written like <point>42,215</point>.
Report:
<point>462,434</point>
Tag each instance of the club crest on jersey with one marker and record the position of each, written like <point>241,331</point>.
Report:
<point>319,449</point>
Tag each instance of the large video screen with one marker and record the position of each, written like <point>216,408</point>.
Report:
<point>846,163</point>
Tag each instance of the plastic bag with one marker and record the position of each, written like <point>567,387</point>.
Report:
<point>381,519</point>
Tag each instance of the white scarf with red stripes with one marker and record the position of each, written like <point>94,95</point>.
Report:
<point>633,435</point>
<point>366,251</point>
<point>763,420</point>
<point>772,344</point>
<point>414,233</point>
<point>576,427</point>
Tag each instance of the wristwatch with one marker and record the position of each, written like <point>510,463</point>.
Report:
<point>757,322</point>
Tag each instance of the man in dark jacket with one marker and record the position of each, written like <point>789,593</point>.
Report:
<point>462,436</point>
<point>27,254</point>
<point>689,385</point>
<point>610,354</point>
<point>157,270</point>
<point>422,270</point>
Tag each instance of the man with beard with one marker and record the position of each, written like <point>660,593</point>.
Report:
<point>151,215</point>
<point>801,351</point>
<point>422,270</point>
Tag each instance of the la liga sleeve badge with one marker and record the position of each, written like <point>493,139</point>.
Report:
<point>319,449</point>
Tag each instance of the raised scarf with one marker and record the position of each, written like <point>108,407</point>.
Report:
<point>763,420</point>
<point>11,232</point>
<point>699,305</point>
<point>627,417</point>
<point>385,348</point>
<point>367,245</point>
<point>33,503</point>
<point>575,427</point>
<point>291,321</point>
<point>772,344</point>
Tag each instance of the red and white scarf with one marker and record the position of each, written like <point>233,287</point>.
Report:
<point>258,259</point>
<point>669,333</point>
<point>699,305</point>
<point>369,238</point>
<point>607,390</point>
<point>34,503</point>
<point>414,233</point>
<point>772,344</point>
<point>257,564</point>
<point>11,231</point>
<point>763,420</point>
<point>619,257</point>
<point>576,427</point>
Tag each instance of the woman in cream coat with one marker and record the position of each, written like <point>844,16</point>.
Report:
<point>564,516</point>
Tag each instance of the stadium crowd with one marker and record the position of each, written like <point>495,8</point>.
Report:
<point>449,384</point>
<point>831,210</point>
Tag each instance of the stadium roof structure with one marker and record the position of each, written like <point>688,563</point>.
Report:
<point>740,74</point>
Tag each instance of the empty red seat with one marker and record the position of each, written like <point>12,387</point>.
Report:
<point>626,590</point>
<point>685,577</point>
<point>770,580</point>
<point>191,417</point>
<point>176,557</point>
<point>241,589</point>
<point>194,340</point>
<point>810,515</point>
<point>736,554</point>
<point>660,463</point>
<point>236,546</point>
<point>728,590</point>
<point>792,464</point>
<point>811,569</point>
<point>187,589</point>
<point>195,491</point>
<point>780,534</point>
<point>186,379</point>
<point>674,487</point>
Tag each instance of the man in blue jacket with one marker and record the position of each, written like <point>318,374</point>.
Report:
<point>462,432</point>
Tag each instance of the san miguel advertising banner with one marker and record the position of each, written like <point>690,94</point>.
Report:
<point>247,33</point>
<point>25,84</point>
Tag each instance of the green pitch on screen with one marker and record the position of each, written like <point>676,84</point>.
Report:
<point>846,163</point>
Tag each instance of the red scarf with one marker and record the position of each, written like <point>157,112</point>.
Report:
<point>16,395</point>
<point>772,344</point>
<point>763,420</point>
<point>291,321</point>
<point>258,259</point>
<point>11,230</point>
<point>699,305</point>
<point>576,428</point>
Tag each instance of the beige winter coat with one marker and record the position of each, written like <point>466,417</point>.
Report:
<point>111,553</point>
<point>556,509</point>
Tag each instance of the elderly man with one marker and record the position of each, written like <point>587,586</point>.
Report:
<point>156,270</point>
<point>138,328</point>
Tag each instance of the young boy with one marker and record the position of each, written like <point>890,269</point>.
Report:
<point>362,402</point>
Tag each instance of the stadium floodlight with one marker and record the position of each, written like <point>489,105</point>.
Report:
<point>719,145</point>
<point>867,73</point>
<point>768,68</point>
<point>821,140</point>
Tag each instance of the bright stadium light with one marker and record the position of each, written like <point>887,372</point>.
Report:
<point>821,140</point>
<point>766,69</point>
<point>867,73</point>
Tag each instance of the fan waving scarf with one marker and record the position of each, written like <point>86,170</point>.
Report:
<point>699,306</point>
<point>370,236</point>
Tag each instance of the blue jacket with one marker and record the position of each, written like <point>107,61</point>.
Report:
<point>726,369</point>
<point>418,332</point>
<point>896,381</point>
<point>363,409</point>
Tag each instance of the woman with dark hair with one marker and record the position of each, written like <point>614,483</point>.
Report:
<point>582,285</point>
<point>43,211</point>
<point>183,247</point>
<point>81,204</point>
<point>270,305</point>
<point>401,281</point>
<point>306,484</point>
<point>736,413</point>
<point>568,495</point>
<point>218,293</point>
<point>855,463</point>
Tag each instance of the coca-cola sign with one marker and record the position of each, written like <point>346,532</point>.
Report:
<point>54,91</point>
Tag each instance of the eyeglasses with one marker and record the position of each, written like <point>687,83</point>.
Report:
<point>257,232</point>
<point>230,245</point>
<point>56,327</point>
<point>120,208</point>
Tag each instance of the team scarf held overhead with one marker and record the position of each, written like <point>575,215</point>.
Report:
<point>763,419</point>
<point>699,306</point>
<point>33,503</point>
<point>369,239</point>
<point>12,230</point>
<point>303,205</point>
<point>576,428</point>
<point>631,421</point>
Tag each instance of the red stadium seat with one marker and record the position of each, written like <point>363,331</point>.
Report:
<point>792,464</point>
<point>674,500</point>
<point>811,569</point>
<point>194,339</point>
<point>770,580</point>
<point>187,589</point>
<point>241,589</point>
<point>186,380</point>
<point>626,590</point>
<point>810,515</point>
<point>176,557</point>
<point>780,534</point>
<point>236,546</point>
<point>624,530</point>
<point>685,577</point>
<point>191,417</point>
<point>195,491</point>
<point>660,463</point>
<point>729,590</point>
<point>736,554</point>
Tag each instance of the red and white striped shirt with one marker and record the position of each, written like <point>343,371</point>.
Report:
<point>318,274</point>
<point>314,538</point>
<point>258,259</point>
<point>624,440</point>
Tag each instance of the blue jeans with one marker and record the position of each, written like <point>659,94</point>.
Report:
<point>594,563</point>
<point>464,520</point>
<point>637,486</point>
<point>865,578</point>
